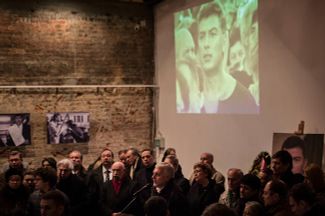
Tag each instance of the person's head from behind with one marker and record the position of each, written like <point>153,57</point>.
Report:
<point>49,162</point>
<point>156,206</point>
<point>52,204</point>
<point>45,179</point>
<point>162,174</point>
<point>275,192</point>
<point>314,176</point>
<point>211,37</point>
<point>250,187</point>
<point>301,198</point>
<point>281,163</point>
<point>217,209</point>
<point>253,208</point>
<point>296,147</point>
<point>15,160</point>
<point>234,177</point>
<point>14,178</point>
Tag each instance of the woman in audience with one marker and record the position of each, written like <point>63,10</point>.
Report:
<point>204,190</point>
<point>168,151</point>
<point>49,162</point>
<point>261,162</point>
<point>13,197</point>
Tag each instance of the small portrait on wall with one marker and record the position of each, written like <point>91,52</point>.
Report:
<point>14,129</point>
<point>304,149</point>
<point>67,127</point>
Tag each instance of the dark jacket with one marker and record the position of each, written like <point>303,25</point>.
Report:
<point>200,197</point>
<point>13,202</point>
<point>177,202</point>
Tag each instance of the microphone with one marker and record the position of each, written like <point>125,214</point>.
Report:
<point>141,189</point>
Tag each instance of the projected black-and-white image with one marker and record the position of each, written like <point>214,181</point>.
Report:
<point>216,58</point>
<point>69,127</point>
<point>14,129</point>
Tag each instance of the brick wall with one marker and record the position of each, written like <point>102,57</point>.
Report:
<point>79,43</point>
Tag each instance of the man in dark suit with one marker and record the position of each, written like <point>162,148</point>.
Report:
<point>118,193</point>
<point>134,163</point>
<point>164,186</point>
<point>96,179</point>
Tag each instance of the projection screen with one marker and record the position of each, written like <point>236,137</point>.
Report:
<point>216,58</point>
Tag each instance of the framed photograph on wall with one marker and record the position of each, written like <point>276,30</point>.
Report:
<point>15,129</point>
<point>67,127</point>
<point>304,149</point>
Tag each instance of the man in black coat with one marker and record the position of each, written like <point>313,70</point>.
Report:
<point>118,193</point>
<point>164,186</point>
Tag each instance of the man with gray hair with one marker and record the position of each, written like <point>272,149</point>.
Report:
<point>164,186</point>
<point>73,187</point>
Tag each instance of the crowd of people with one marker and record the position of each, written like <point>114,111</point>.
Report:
<point>134,183</point>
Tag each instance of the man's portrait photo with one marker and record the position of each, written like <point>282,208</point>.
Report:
<point>304,149</point>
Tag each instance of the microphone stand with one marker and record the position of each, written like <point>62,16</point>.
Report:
<point>134,197</point>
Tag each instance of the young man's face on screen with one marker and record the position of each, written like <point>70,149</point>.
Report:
<point>210,42</point>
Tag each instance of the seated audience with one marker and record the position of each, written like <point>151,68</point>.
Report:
<point>204,191</point>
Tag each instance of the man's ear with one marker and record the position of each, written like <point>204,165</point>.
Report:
<point>60,209</point>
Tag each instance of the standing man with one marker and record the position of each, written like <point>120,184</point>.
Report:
<point>98,177</point>
<point>222,93</point>
<point>76,157</point>
<point>231,196</point>
<point>164,186</point>
<point>118,193</point>
<point>145,174</point>
<point>133,161</point>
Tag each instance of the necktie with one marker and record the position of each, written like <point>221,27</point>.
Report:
<point>107,175</point>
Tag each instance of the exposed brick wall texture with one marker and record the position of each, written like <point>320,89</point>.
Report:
<point>79,43</point>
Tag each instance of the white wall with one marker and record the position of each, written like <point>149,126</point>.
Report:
<point>292,64</point>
